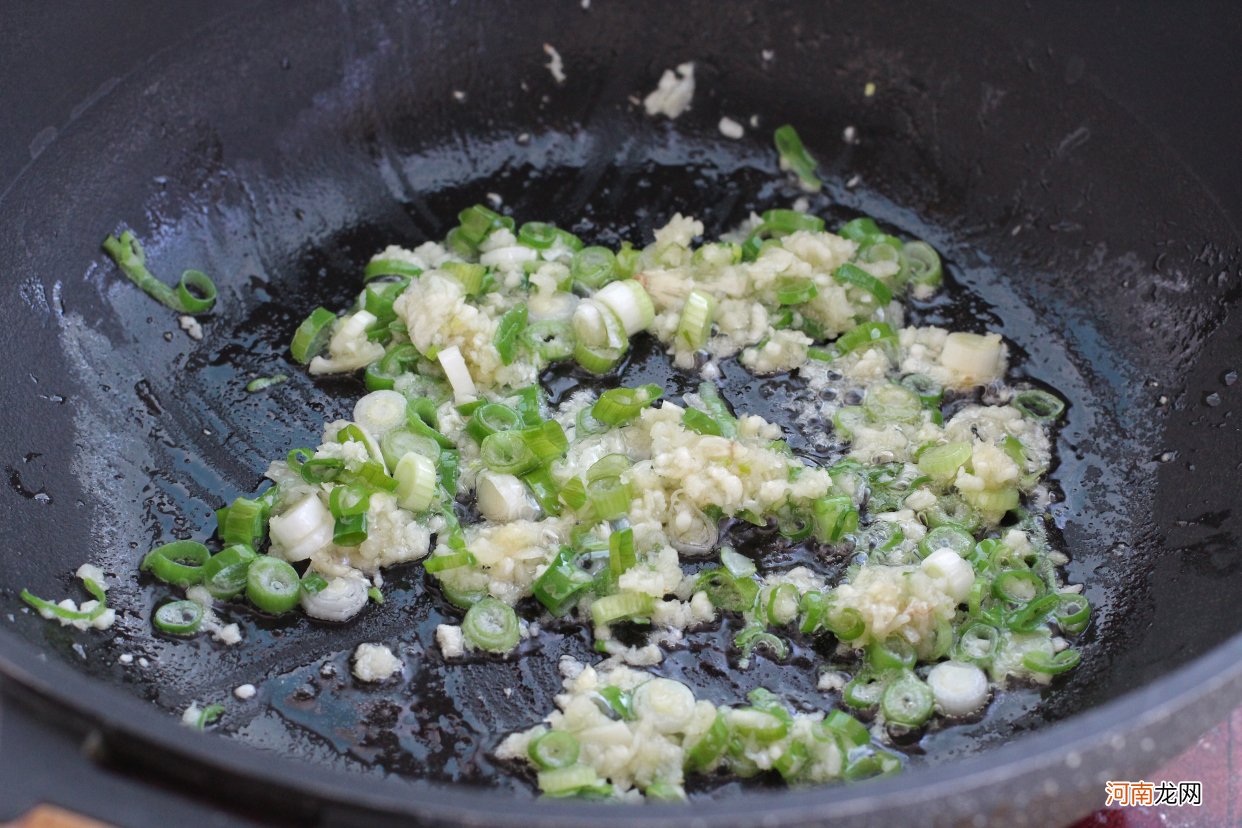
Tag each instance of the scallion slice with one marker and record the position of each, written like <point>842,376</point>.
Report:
<point>224,573</point>
<point>195,292</point>
<point>593,267</point>
<point>179,618</point>
<point>855,276</point>
<point>782,604</point>
<point>697,315</point>
<point>618,406</point>
<point>1063,661</point>
<point>273,585</point>
<point>561,584</point>
<point>795,158</point>
<point>1039,405</point>
<point>453,560</point>
<point>621,551</point>
<point>947,536</point>
<point>416,481</point>
<point>554,749</point>
<point>179,563</point>
<point>907,701</point>
<point>507,452</point>
<point>726,592</point>
<point>551,339</point>
<point>710,747</point>
<point>868,335</point>
<point>379,267</point>
<point>621,606</point>
<point>795,291</point>
<point>312,335</point>
<point>923,267</point>
<point>977,644</point>
<point>609,497</point>
<point>508,331</point>
<point>835,517</point>
<point>491,625</point>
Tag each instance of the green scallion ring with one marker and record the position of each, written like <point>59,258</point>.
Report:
<point>196,292</point>
<point>907,701</point>
<point>554,749</point>
<point>179,618</point>
<point>1052,665</point>
<point>854,276</point>
<point>390,267</point>
<point>505,452</point>
<point>179,563</point>
<point>224,574</point>
<point>1039,405</point>
<point>312,335</point>
<point>551,339</point>
<point>922,264</point>
<point>491,625</point>
<point>273,585</point>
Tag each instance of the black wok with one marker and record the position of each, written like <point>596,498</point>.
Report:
<point>279,146</point>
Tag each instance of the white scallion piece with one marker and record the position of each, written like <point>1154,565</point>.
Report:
<point>340,600</point>
<point>458,375</point>
<point>303,529</point>
<point>666,705</point>
<point>504,498</point>
<point>380,412</point>
<point>416,481</point>
<point>629,301</point>
<point>960,689</point>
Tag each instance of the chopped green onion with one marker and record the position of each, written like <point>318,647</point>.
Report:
<point>621,551</point>
<point>865,690</point>
<point>922,264</point>
<point>510,327</point>
<point>416,482</point>
<point>469,276</point>
<point>1072,613</point>
<point>737,564</point>
<point>868,335</point>
<point>609,496</point>
<point>888,402</point>
<point>835,517</point>
<point>727,592</point>
<point>245,522</point>
<point>907,701</point>
<point>942,462</point>
<point>947,536</point>
<point>846,623</point>
<point>893,653</point>
<point>560,585</point>
<point>760,725</point>
<point>812,606</point>
<point>313,583</point>
<point>1018,586</point>
<point>795,291</point>
<point>224,573</point>
<point>593,267</point>
<point>538,235</point>
<point>259,383</point>
<point>195,292</point>
<point>506,452</point>
<point>977,644</point>
<point>623,605</point>
<point>491,625</point>
<point>954,510</point>
<point>783,602</point>
<point>207,715</point>
<point>348,500</point>
<point>551,339</point>
<point>862,230</point>
<point>272,585</point>
<point>350,530</point>
<point>697,314</point>
<point>568,781</point>
<point>598,359</point>
<point>179,563</point>
<point>1038,405</point>
<point>710,747</point>
<point>1063,661</point>
<point>871,764</point>
<point>547,441</point>
<point>618,406</point>
<point>379,267</point>
<point>554,749</point>
<point>397,360</point>
<point>794,157</point>
<point>179,618</point>
<point>855,276</point>
<point>629,302</point>
<point>453,560</point>
<point>312,335</point>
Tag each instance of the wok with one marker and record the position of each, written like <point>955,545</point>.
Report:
<point>278,146</point>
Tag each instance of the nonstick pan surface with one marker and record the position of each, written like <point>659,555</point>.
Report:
<point>280,147</point>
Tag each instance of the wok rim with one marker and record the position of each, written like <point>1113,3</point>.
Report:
<point>1204,686</point>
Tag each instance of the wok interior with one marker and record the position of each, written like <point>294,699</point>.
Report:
<point>281,171</point>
